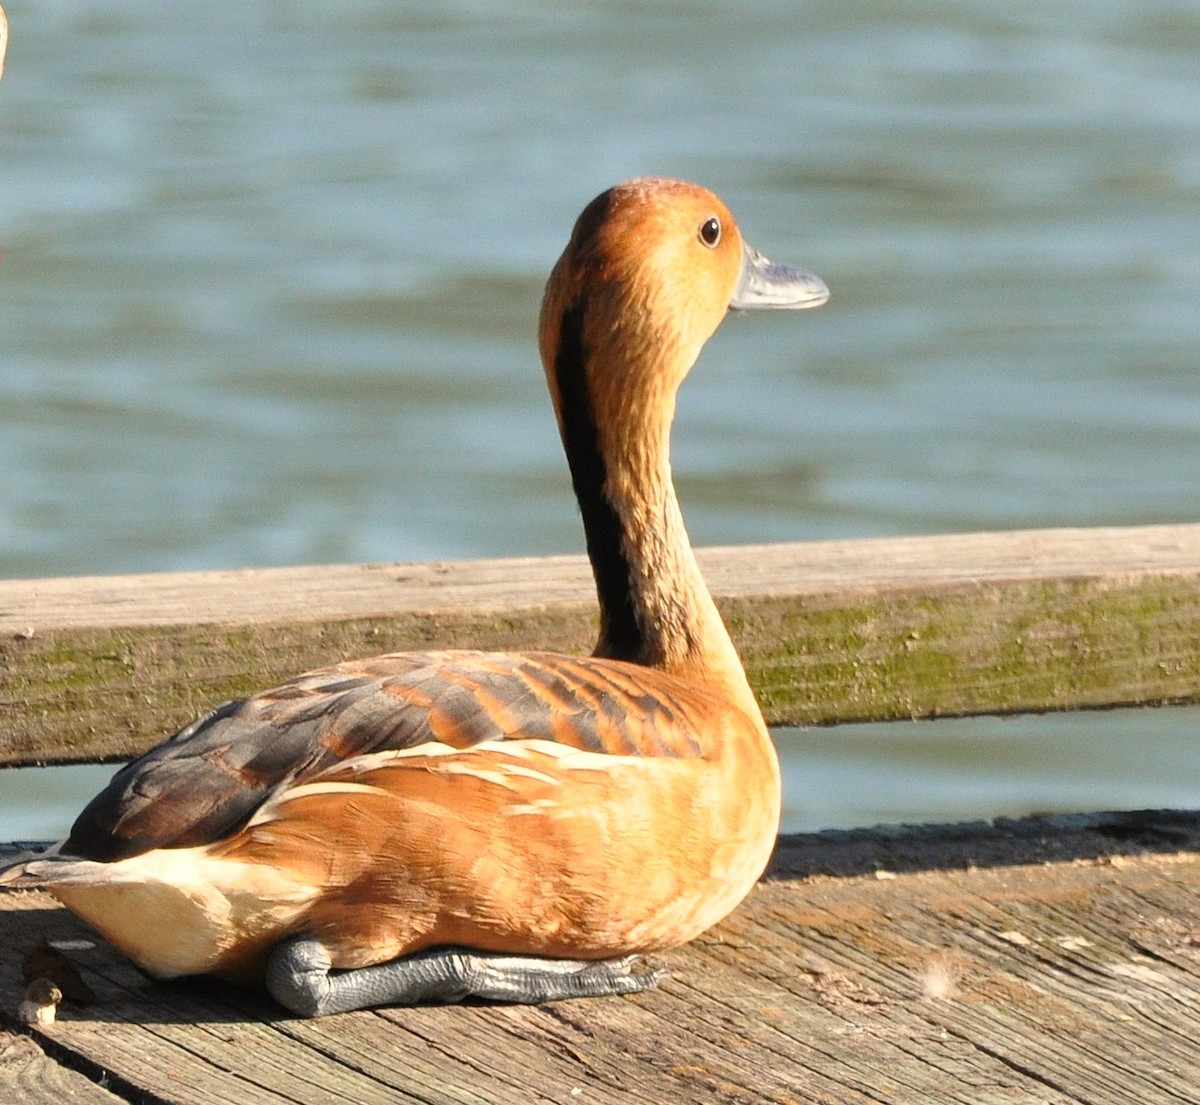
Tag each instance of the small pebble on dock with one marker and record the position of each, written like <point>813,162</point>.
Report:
<point>41,1002</point>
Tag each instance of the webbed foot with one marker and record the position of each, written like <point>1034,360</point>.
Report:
<point>300,978</point>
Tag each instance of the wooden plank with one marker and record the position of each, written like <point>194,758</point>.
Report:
<point>29,1077</point>
<point>1052,960</point>
<point>100,668</point>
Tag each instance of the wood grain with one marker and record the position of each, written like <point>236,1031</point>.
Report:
<point>103,667</point>
<point>29,1077</point>
<point>1050,960</point>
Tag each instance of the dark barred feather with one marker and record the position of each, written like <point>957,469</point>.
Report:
<point>208,779</point>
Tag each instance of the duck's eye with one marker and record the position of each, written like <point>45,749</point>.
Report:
<point>710,231</point>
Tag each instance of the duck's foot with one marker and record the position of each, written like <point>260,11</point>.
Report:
<point>300,979</point>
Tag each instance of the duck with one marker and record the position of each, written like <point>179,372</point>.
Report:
<point>427,827</point>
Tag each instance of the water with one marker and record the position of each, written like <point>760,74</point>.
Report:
<point>270,275</point>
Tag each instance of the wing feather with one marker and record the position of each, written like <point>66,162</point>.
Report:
<point>209,778</point>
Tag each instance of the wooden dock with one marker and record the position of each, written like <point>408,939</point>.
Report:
<point>1052,960</point>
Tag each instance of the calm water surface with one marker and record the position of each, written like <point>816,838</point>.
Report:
<point>270,275</point>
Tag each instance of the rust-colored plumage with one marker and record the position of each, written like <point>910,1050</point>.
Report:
<point>529,803</point>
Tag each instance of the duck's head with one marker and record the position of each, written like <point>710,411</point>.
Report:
<point>651,269</point>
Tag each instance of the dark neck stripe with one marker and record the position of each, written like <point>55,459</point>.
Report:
<point>621,637</point>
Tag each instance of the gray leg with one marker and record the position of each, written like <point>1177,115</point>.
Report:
<point>300,979</point>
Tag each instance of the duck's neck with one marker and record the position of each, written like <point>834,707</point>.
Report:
<point>655,608</point>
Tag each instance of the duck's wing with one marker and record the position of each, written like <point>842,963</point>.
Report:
<point>210,777</point>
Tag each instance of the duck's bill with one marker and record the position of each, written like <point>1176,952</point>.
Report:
<point>766,284</point>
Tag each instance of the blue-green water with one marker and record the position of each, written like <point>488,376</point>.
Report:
<point>270,274</point>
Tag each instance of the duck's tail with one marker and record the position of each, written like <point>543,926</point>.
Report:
<point>173,911</point>
<point>15,856</point>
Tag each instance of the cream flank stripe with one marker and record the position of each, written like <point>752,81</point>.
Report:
<point>465,762</point>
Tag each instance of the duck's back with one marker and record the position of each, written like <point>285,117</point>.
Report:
<point>207,780</point>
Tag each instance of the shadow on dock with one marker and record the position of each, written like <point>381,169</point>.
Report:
<point>1059,838</point>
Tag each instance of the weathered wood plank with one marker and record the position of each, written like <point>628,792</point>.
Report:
<point>1053,960</point>
<point>29,1077</point>
<point>101,668</point>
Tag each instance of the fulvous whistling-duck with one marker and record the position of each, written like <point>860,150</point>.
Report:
<point>511,826</point>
